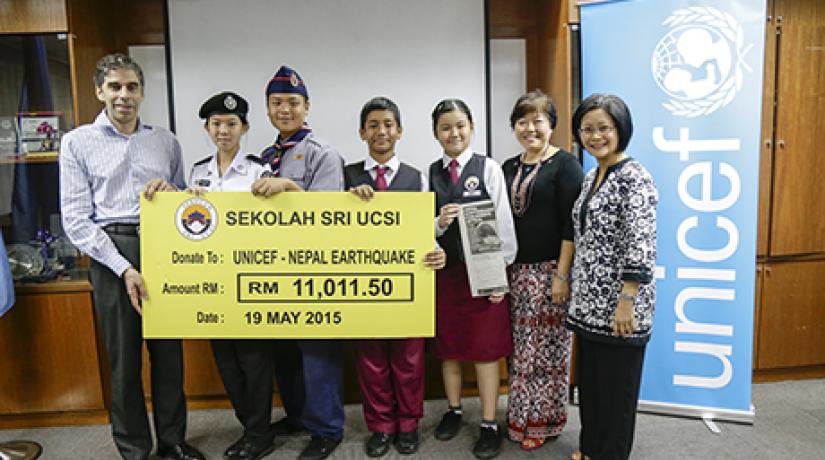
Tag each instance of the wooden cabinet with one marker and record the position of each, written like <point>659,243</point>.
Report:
<point>49,351</point>
<point>790,304</point>
<point>792,316</point>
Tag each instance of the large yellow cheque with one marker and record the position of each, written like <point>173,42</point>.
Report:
<point>310,265</point>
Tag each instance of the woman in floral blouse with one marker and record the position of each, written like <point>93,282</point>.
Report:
<point>613,291</point>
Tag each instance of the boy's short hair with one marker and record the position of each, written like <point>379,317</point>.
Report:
<point>379,103</point>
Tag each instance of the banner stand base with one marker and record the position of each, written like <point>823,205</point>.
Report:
<point>711,414</point>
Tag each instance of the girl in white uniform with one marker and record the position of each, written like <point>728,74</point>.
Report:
<point>245,365</point>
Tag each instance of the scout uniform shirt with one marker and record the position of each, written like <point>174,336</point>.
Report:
<point>241,174</point>
<point>312,164</point>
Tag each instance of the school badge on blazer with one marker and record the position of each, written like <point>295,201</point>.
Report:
<point>471,187</point>
<point>196,219</point>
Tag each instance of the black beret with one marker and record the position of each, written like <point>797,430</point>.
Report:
<point>225,103</point>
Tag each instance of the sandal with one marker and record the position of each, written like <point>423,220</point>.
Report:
<point>530,443</point>
<point>514,433</point>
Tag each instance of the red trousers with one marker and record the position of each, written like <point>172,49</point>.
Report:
<point>391,376</point>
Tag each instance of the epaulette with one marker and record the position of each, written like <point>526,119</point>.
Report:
<point>204,161</point>
<point>256,159</point>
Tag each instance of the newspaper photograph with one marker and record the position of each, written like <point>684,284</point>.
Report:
<point>482,248</point>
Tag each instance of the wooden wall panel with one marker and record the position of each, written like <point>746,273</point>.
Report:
<point>33,16</point>
<point>555,66</point>
<point>90,24</point>
<point>545,27</point>
<point>48,351</point>
<point>518,19</point>
<point>792,315</point>
<point>146,24</point>
<point>796,225</point>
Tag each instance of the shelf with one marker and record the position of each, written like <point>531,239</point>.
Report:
<point>79,282</point>
<point>40,157</point>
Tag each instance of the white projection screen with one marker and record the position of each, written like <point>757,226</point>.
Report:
<point>347,51</point>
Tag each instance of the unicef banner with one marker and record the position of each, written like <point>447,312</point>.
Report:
<point>691,72</point>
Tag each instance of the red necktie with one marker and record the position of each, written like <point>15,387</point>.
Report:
<point>380,180</point>
<point>454,171</point>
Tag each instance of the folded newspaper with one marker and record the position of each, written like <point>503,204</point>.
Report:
<point>486,268</point>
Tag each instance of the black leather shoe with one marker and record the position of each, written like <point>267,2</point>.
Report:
<point>378,444</point>
<point>318,448</point>
<point>488,444</point>
<point>251,451</point>
<point>234,448</point>
<point>406,442</point>
<point>180,451</point>
<point>448,427</point>
<point>284,428</point>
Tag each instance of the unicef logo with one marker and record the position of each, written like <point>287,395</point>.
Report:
<point>196,219</point>
<point>699,62</point>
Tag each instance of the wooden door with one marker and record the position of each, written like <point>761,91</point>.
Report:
<point>766,149</point>
<point>798,220</point>
<point>792,315</point>
<point>757,313</point>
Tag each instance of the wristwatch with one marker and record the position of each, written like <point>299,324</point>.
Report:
<point>623,296</point>
<point>558,275</point>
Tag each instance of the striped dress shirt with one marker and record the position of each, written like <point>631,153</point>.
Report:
<point>102,173</point>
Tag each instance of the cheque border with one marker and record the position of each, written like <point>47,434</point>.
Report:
<point>326,300</point>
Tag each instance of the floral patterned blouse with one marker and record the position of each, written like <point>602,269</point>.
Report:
<point>615,237</point>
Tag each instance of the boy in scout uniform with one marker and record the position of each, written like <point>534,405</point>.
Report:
<point>245,365</point>
<point>308,371</point>
<point>390,372</point>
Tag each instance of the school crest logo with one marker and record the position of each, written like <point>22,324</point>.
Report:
<point>471,186</point>
<point>196,219</point>
<point>699,63</point>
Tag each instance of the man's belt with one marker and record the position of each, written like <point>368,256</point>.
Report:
<point>123,229</point>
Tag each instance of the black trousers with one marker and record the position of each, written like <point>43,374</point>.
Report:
<point>609,376</point>
<point>246,370</point>
<point>123,337</point>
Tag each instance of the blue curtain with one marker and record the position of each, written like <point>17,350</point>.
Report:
<point>6,283</point>
<point>36,185</point>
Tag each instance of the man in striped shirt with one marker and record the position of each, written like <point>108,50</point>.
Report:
<point>104,166</point>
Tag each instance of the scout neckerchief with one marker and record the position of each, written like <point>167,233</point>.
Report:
<point>276,151</point>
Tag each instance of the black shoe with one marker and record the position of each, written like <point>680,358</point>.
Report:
<point>406,442</point>
<point>234,448</point>
<point>251,451</point>
<point>488,444</point>
<point>448,427</point>
<point>283,427</point>
<point>318,448</point>
<point>378,444</point>
<point>180,451</point>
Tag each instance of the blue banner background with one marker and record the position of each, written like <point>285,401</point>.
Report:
<point>618,41</point>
